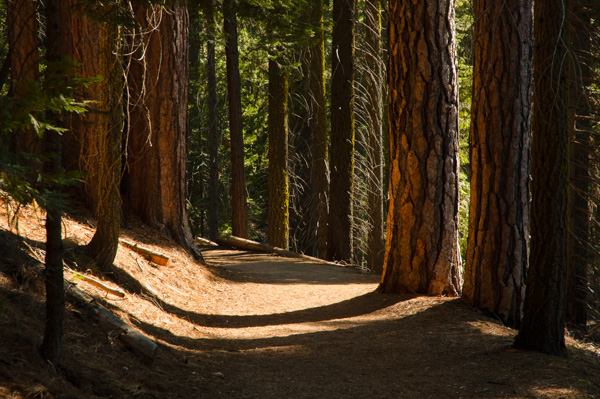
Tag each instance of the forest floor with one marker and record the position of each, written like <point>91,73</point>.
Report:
<point>259,326</point>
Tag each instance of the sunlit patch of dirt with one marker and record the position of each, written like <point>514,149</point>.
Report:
<point>260,326</point>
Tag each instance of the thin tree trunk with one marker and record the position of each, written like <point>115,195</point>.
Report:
<point>213,132</point>
<point>340,238</point>
<point>52,343</point>
<point>580,180</point>
<point>278,207</point>
<point>374,84</point>
<point>543,325</point>
<point>497,247</point>
<point>238,180</point>
<point>318,122</point>
<point>422,254</point>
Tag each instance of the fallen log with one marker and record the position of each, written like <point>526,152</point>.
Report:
<point>149,254</point>
<point>98,284</point>
<point>131,338</point>
<point>204,241</point>
<point>249,245</point>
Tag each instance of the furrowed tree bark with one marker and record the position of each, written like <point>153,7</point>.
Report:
<point>543,325</point>
<point>278,206</point>
<point>238,180</point>
<point>52,343</point>
<point>422,254</point>
<point>156,149</point>
<point>318,123</point>
<point>24,62</point>
<point>213,131</point>
<point>340,238</point>
<point>374,84</point>
<point>497,246</point>
<point>93,143</point>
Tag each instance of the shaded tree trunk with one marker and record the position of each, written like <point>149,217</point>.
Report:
<point>422,254</point>
<point>340,238</point>
<point>238,180</point>
<point>318,124</point>
<point>156,149</point>
<point>278,207</point>
<point>52,343</point>
<point>543,325</point>
<point>580,190</point>
<point>213,132</point>
<point>374,84</point>
<point>24,62</point>
<point>497,247</point>
<point>301,166</point>
<point>93,143</point>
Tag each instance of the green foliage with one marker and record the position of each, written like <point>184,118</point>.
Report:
<point>21,175</point>
<point>464,39</point>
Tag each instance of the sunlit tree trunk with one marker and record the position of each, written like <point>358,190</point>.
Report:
<point>52,343</point>
<point>24,61</point>
<point>497,247</point>
<point>213,131</point>
<point>422,253</point>
<point>156,149</point>
<point>238,180</point>
<point>340,238</point>
<point>93,143</point>
<point>278,207</point>
<point>543,325</point>
<point>318,123</point>
<point>374,83</point>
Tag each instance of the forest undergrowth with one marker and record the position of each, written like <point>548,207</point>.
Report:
<point>256,325</point>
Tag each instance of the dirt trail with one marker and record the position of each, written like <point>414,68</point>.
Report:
<point>260,326</point>
<point>297,330</point>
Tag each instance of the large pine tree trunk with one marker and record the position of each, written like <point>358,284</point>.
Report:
<point>422,253</point>
<point>93,143</point>
<point>52,343</point>
<point>156,149</point>
<point>278,207</point>
<point>238,180</point>
<point>318,123</point>
<point>374,84</point>
<point>497,248</point>
<point>543,325</point>
<point>24,61</point>
<point>213,131</point>
<point>340,238</point>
